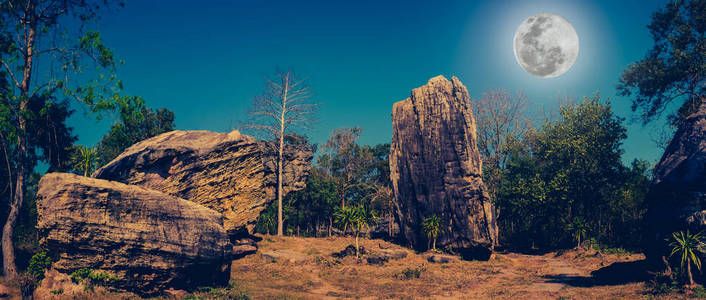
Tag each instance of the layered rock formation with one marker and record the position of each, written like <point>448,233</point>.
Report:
<point>435,169</point>
<point>228,172</point>
<point>148,239</point>
<point>677,197</point>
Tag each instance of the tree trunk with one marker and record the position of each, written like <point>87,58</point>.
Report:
<point>280,151</point>
<point>357,248</point>
<point>8,251</point>
<point>330,225</point>
<point>688,271</point>
<point>433,244</point>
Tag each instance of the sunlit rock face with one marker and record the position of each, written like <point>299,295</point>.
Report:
<point>435,169</point>
<point>149,240</point>
<point>231,173</point>
<point>677,197</point>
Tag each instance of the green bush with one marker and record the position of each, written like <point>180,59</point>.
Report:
<point>91,277</point>
<point>409,273</point>
<point>38,264</point>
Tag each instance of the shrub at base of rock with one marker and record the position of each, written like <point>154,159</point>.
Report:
<point>436,170</point>
<point>148,240</point>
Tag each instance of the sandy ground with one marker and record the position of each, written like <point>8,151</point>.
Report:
<point>303,268</point>
<point>308,271</point>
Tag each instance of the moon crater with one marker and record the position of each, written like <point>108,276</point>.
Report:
<point>546,45</point>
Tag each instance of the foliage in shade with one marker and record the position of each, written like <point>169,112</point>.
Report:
<point>674,70</point>
<point>431,229</point>
<point>136,123</point>
<point>571,168</point>
<point>686,246</point>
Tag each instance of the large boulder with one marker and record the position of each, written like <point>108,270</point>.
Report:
<point>231,173</point>
<point>435,168</point>
<point>677,196</point>
<point>149,240</point>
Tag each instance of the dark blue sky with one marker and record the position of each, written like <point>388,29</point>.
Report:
<point>205,62</point>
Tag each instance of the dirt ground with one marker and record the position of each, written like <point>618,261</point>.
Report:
<point>303,268</point>
<point>311,272</point>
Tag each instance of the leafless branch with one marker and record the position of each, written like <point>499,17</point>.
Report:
<point>12,74</point>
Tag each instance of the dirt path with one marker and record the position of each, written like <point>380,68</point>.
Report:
<point>548,273</point>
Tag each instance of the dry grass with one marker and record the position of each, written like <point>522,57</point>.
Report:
<point>506,276</point>
<point>313,273</point>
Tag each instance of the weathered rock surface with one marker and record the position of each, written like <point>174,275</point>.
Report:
<point>435,169</point>
<point>677,197</point>
<point>229,172</point>
<point>148,239</point>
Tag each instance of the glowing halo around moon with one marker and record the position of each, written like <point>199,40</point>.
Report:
<point>546,45</point>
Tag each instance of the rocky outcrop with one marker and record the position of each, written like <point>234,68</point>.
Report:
<point>435,169</point>
<point>677,196</point>
<point>229,172</point>
<point>149,240</point>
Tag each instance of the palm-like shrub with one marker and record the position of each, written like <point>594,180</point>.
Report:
<point>357,219</point>
<point>686,245</point>
<point>85,159</point>
<point>578,229</point>
<point>431,229</point>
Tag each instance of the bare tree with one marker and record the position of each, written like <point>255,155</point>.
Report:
<point>500,117</point>
<point>284,108</point>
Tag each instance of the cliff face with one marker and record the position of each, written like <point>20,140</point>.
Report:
<point>148,239</point>
<point>436,170</point>
<point>677,197</point>
<point>228,172</point>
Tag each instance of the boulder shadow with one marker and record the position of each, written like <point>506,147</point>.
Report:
<point>615,274</point>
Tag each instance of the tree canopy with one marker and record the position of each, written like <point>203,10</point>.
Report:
<point>674,70</point>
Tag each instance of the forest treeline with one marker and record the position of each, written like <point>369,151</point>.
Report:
<point>553,185</point>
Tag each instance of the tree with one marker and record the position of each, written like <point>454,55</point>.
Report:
<point>136,123</point>
<point>686,245</point>
<point>85,159</point>
<point>281,110</point>
<point>499,120</point>
<point>431,229</point>
<point>675,68</point>
<point>30,30</point>
<point>343,158</point>
<point>572,168</point>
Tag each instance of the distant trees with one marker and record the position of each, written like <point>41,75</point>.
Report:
<point>135,123</point>
<point>571,168</point>
<point>343,159</point>
<point>283,108</point>
<point>347,174</point>
<point>675,68</point>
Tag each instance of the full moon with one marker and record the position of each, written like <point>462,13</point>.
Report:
<point>546,45</point>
